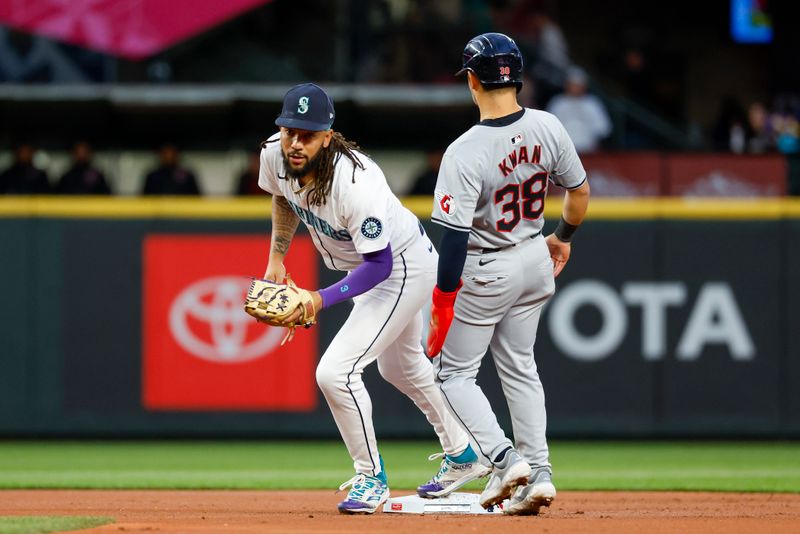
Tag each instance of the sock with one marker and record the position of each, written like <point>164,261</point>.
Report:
<point>466,456</point>
<point>382,475</point>
<point>499,458</point>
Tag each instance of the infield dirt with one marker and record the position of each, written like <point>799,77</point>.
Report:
<point>315,511</point>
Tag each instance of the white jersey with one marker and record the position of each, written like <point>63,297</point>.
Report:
<point>359,217</point>
<point>493,179</point>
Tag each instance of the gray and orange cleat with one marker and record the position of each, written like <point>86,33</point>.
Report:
<point>512,471</point>
<point>540,491</point>
<point>454,472</point>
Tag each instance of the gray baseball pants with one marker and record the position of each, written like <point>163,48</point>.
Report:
<point>499,308</point>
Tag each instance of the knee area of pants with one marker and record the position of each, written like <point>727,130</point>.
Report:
<point>383,370</point>
<point>329,377</point>
<point>449,375</point>
<point>447,383</point>
<point>396,375</point>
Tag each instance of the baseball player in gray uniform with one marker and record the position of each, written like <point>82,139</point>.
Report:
<point>490,198</point>
<point>357,224</point>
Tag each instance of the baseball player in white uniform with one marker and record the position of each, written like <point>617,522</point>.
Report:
<point>318,177</point>
<point>490,198</point>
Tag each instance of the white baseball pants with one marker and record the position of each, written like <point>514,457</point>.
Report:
<point>386,325</point>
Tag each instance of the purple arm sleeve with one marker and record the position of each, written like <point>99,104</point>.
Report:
<point>376,268</point>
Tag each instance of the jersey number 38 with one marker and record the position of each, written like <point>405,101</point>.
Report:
<point>521,201</point>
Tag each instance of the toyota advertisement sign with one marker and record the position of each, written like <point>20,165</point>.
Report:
<point>663,328</point>
<point>200,350</point>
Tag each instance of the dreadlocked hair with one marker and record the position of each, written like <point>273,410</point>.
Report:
<point>321,186</point>
<point>338,147</point>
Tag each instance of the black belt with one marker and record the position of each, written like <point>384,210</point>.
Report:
<point>490,250</point>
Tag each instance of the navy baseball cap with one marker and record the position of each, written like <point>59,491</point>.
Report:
<point>307,107</point>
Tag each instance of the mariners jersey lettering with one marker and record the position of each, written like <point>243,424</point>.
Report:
<point>493,179</point>
<point>359,217</point>
<point>318,224</point>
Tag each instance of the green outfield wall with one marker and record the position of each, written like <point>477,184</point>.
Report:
<point>122,317</point>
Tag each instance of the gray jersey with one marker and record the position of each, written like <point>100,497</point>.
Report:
<point>493,179</point>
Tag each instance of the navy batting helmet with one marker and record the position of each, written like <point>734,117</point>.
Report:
<point>494,58</point>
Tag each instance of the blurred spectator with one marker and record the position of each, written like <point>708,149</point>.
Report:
<point>762,138</point>
<point>374,47</point>
<point>83,178</point>
<point>756,130</point>
<point>637,76</point>
<point>582,114</point>
<point>785,123</point>
<point>407,41</point>
<point>23,178</point>
<point>543,45</point>
<point>646,72</point>
<point>788,134</point>
<point>425,182</point>
<point>731,127</point>
<point>170,178</point>
<point>248,180</point>
<point>630,72</point>
<point>429,36</point>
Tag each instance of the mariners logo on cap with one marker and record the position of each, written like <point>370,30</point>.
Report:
<point>302,105</point>
<point>371,228</point>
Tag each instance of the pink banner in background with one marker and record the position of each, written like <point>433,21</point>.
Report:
<point>726,175</point>
<point>134,29</point>
<point>624,175</point>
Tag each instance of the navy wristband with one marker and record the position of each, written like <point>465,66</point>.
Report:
<point>564,230</point>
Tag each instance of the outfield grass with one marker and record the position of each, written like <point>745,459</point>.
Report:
<point>43,524</point>
<point>713,466</point>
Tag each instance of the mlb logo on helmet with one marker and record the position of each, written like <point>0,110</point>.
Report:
<point>307,107</point>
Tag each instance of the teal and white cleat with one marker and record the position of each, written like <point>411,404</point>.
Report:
<point>367,494</point>
<point>453,473</point>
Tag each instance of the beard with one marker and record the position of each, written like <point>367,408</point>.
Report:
<point>310,166</point>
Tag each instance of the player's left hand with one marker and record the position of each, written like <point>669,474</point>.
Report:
<point>559,253</point>
<point>297,315</point>
<point>283,305</point>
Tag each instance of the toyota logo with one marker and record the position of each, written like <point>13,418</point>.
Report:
<point>207,320</point>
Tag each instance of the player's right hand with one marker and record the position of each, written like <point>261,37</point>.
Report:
<point>441,318</point>
<point>559,253</point>
<point>437,334</point>
<point>276,272</point>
